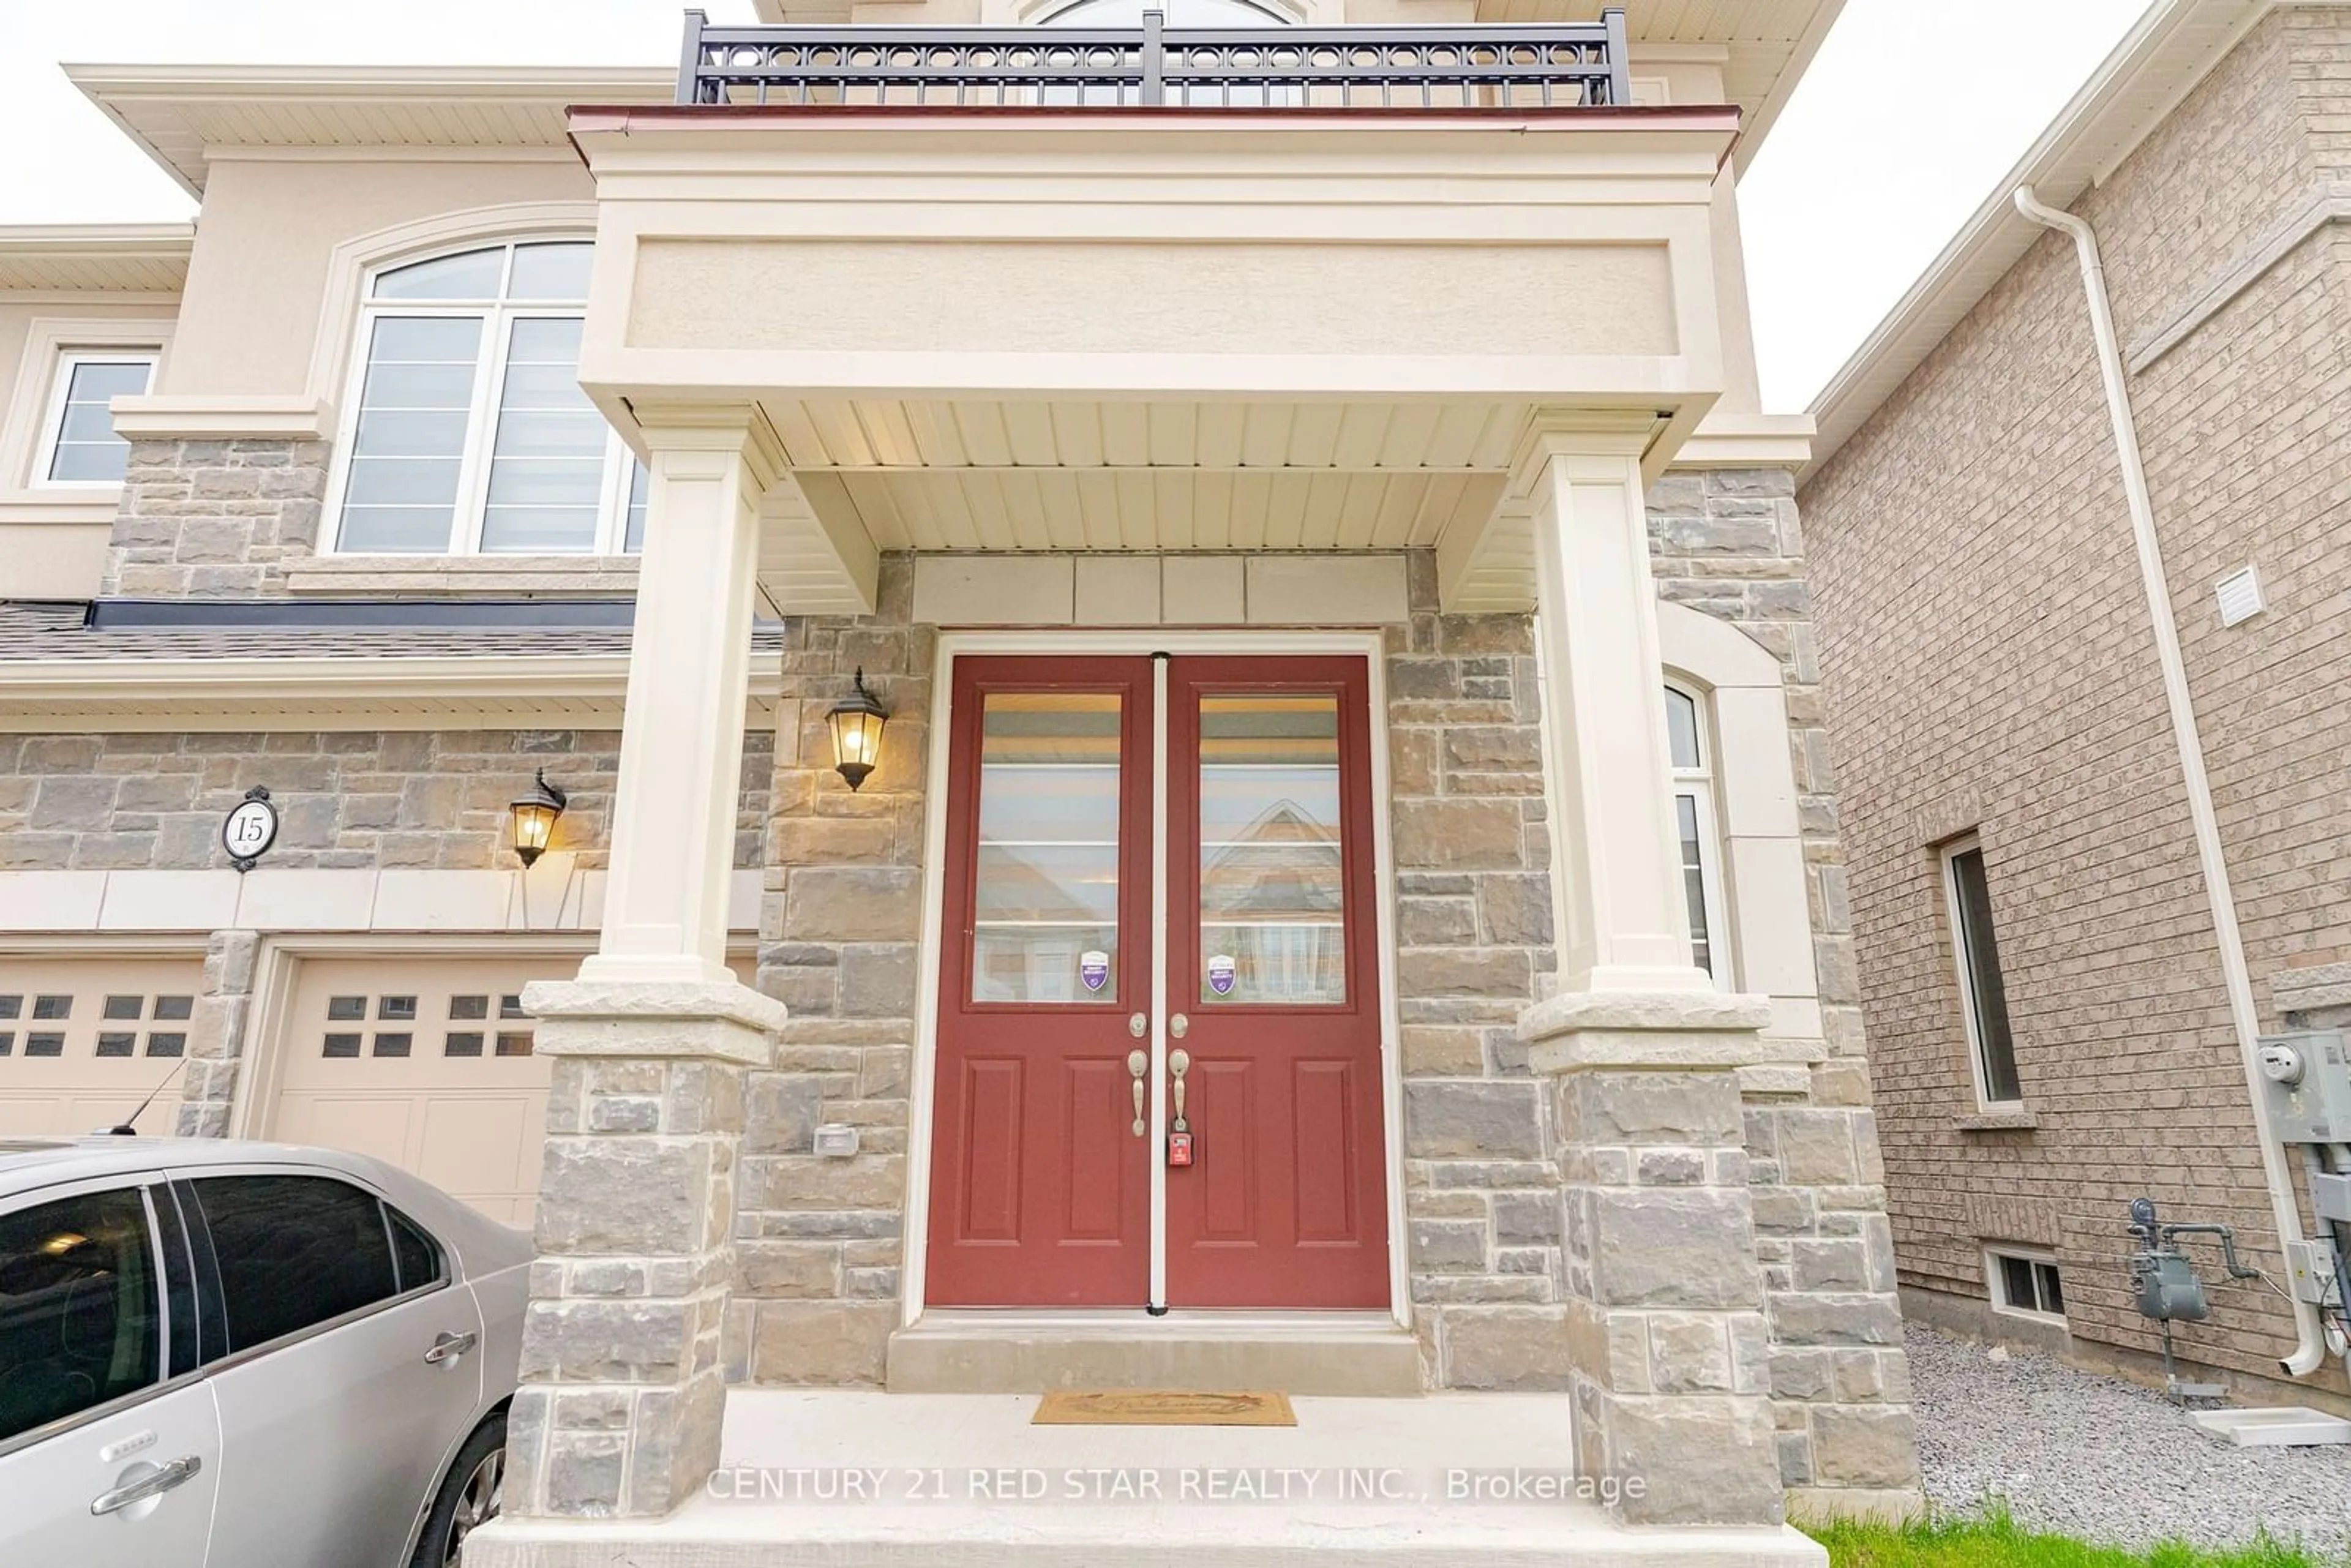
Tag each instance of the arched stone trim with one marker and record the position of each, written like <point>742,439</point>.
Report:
<point>352,259</point>
<point>1770,923</point>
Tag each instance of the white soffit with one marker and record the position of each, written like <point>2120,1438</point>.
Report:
<point>118,258</point>
<point>178,113</point>
<point>2162,58</point>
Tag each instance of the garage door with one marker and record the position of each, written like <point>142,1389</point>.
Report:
<point>425,1064</point>
<point>84,1041</point>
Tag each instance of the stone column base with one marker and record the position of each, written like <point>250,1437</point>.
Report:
<point>1671,1373</point>
<point>623,1389</point>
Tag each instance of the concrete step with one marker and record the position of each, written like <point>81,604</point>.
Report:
<point>1341,1355</point>
<point>844,1479</point>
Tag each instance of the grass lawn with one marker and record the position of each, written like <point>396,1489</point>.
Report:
<point>1992,1539</point>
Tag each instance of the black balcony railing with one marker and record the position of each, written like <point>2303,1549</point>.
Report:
<point>1507,66</point>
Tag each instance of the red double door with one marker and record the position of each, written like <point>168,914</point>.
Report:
<point>1128,924</point>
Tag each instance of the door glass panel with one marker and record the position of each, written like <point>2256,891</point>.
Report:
<point>1045,900</point>
<point>1272,896</point>
<point>79,1324</point>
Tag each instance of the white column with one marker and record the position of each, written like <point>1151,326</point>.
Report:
<point>689,677</point>
<point>1624,922</point>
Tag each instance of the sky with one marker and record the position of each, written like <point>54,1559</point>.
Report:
<point>1905,121</point>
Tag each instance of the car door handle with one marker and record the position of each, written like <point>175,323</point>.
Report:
<point>449,1347</point>
<point>154,1484</point>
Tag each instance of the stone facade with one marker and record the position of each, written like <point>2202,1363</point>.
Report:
<point>214,519</point>
<point>346,799</point>
<point>1991,669</point>
<point>1730,542</point>
<point>821,1240</point>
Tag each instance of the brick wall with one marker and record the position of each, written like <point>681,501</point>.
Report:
<point>346,800</point>
<point>1991,667</point>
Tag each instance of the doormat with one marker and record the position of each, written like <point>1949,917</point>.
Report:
<point>1162,1407</point>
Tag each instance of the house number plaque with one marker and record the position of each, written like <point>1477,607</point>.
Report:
<point>250,828</point>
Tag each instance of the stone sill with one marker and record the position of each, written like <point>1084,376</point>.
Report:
<point>2017,1120</point>
<point>438,576</point>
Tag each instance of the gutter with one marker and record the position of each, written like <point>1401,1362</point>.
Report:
<point>2310,1351</point>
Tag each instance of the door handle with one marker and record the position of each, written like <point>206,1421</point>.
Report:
<point>1138,1063</point>
<point>1179,1062</point>
<point>449,1347</point>
<point>155,1483</point>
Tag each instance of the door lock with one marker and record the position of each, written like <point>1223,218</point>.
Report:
<point>1179,1132</point>
<point>1137,1025</point>
<point>1138,1063</point>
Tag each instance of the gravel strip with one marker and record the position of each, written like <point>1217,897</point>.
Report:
<point>2105,1460</point>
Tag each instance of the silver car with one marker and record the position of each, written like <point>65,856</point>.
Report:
<point>246,1354</point>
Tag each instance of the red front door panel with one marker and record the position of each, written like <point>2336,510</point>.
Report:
<point>1270,866</point>
<point>1040,1191</point>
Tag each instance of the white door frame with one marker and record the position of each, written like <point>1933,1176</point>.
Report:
<point>1372,646</point>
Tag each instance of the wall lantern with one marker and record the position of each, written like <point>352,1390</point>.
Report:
<point>857,726</point>
<point>534,819</point>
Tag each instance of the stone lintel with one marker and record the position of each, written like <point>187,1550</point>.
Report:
<point>722,1022</point>
<point>1654,1031</point>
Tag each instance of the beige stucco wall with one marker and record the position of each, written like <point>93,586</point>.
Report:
<point>1991,666</point>
<point>256,293</point>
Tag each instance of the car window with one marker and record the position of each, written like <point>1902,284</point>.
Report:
<point>293,1252</point>
<point>417,1254</point>
<point>78,1321</point>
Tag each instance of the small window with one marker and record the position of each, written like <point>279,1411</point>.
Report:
<point>396,1010</point>
<point>462,1043</point>
<point>53,1007</point>
<point>345,1009</point>
<point>167,1042</point>
<point>514,1042</point>
<point>12,1007</point>
<point>1983,997</point>
<point>45,1042</point>
<point>293,1251</point>
<point>81,447</point>
<point>171,1010</point>
<point>465,1008</point>
<point>341,1044</point>
<point>2026,1284</point>
<point>1694,831</point>
<point>511,1007</point>
<point>118,1008</point>
<point>117,1042</point>
<point>393,1044</point>
<point>7,1041</point>
<point>79,1323</point>
<point>415,1255</point>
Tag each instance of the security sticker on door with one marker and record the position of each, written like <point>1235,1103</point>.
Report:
<point>1093,968</point>
<point>1222,972</point>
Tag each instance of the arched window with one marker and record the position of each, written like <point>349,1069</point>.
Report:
<point>469,432</point>
<point>1694,822</point>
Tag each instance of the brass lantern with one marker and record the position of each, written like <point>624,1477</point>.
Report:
<point>534,817</point>
<point>857,726</point>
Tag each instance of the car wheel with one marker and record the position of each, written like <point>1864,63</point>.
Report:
<point>468,1496</point>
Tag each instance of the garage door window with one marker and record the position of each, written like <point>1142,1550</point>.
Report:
<point>78,1320</point>
<point>294,1253</point>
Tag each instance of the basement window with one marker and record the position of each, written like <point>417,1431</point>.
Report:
<point>2026,1284</point>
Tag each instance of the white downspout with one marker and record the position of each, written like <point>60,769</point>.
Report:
<point>2311,1351</point>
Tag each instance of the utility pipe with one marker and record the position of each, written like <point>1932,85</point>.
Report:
<point>2310,1351</point>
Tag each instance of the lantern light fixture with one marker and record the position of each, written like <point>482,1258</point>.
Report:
<point>857,726</point>
<point>534,817</point>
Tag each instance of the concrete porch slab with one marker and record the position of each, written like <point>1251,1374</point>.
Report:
<point>837,1480</point>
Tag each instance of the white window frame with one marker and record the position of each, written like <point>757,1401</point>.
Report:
<point>1698,784</point>
<point>1963,970</point>
<point>53,421</point>
<point>1996,1283</point>
<point>498,317</point>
